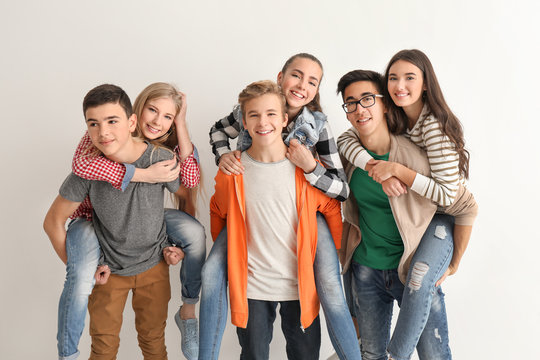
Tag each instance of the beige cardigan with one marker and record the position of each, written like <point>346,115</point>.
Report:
<point>412,212</point>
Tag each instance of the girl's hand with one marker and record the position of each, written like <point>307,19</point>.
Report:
<point>381,170</point>
<point>180,118</point>
<point>300,156</point>
<point>229,163</point>
<point>394,187</point>
<point>160,172</point>
<point>450,271</point>
<point>172,255</point>
<point>102,274</point>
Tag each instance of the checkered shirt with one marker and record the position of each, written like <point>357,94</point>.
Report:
<point>330,177</point>
<point>88,165</point>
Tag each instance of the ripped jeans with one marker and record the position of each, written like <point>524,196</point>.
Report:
<point>422,322</point>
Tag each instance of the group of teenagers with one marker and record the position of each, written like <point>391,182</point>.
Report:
<point>388,200</point>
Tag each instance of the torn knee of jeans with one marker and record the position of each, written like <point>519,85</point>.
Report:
<point>440,232</point>
<point>418,272</point>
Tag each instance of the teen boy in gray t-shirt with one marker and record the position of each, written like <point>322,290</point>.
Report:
<point>129,226</point>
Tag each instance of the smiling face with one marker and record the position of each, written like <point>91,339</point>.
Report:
<point>110,129</point>
<point>406,85</point>
<point>157,117</point>
<point>300,83</point>
<point>264,120</point>
<point>367,121</point>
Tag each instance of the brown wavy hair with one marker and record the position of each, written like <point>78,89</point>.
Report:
<point>437,106</point>
<point>315,104</point>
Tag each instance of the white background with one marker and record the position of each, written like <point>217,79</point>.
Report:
<point>485,54</point>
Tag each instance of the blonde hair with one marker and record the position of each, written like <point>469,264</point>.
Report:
<point>153,91</point>
<point>258,89</point>
<point>187,201</point>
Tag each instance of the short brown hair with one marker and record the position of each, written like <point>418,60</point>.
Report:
<point>258,89</point>
<point>107,94</point>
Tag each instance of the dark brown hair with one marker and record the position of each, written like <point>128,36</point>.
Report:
<point>315,104</point>
<point>373,77</point>
<point>107,94</point>
<point>433,97</point>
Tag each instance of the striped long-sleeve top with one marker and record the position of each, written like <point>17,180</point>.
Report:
<point>445,179</point>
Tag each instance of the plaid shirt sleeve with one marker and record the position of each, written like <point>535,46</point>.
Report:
<point>330,178</point>
<point>84,210</point>
<point>92,167</point>
<point>190,172</point>
<point>223,130</point>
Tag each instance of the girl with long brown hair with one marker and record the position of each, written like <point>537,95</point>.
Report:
<point>417,109</point>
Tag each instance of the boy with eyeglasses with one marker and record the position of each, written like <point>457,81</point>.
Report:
<point>381,234</point>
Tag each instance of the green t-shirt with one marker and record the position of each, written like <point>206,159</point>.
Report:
<point>381,247</point>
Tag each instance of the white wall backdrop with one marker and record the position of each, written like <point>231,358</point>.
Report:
<point>485,54</point>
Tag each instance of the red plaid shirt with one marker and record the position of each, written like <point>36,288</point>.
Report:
<point>88,165</point>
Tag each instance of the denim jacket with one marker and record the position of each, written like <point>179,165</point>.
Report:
<point>305,128</point>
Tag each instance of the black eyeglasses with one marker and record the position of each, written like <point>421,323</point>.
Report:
<point>365,102</point>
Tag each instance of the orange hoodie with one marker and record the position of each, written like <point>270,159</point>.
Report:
<point>227,207</point>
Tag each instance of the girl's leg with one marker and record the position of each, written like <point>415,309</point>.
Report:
<point>434,341</point>
<point>328,282</point>
<point>213,308</point>
<point>83,254</point>
<point>188,234</point>
<point>428,264</point>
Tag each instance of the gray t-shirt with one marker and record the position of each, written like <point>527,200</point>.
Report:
<point>129,224</point>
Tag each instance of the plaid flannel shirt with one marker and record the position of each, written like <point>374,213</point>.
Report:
<point>330,178</point>
<point>87,165</point>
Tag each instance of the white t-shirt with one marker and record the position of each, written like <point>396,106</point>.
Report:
<point>272,221</point>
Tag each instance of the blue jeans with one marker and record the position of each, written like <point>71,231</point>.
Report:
<point>415,320</point>
<point>256,337</point>
<point>213,309</point>
<point>422,318</point>
<point>83,254</point>
<point>187,233</point>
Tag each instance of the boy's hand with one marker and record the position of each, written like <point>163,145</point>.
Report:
<point>102,274</point>
<point>381,170</point>
<point>450,271</point>
<point>229,163</point>
<point>393,187</point>
<point>300,156</point>
<point>172,255</point>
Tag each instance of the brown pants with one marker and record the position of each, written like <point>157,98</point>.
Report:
<point>151,295</point>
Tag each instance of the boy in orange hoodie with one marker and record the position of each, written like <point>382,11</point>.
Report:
<point>270,213</point>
